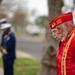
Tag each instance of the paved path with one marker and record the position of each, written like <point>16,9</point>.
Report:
<point>1,71</point>
<point>19,53</point>
<point>31,46</point>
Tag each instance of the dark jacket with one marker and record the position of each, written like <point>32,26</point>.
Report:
<point>9,43</point>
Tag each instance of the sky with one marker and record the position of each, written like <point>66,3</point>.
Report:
<point>40,6</point>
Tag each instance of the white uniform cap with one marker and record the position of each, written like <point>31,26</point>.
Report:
<point>3,20</point>
<point>6,25</point>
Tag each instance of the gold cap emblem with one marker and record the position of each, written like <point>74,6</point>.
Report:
<point>53,25</point>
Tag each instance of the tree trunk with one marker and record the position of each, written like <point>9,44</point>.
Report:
<point>0,1</point>
<point>50,44</point>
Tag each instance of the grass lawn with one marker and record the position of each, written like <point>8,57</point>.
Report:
<point>25,66</point>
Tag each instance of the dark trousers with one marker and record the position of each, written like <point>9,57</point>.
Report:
<point>8,68</point>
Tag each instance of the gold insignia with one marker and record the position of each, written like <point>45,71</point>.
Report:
<point>59,21</point>
<point>53,25</point>
<point>3,50</point>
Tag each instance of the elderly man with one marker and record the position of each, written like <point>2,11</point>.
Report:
<point>65,57</point>
<point>7,48</point>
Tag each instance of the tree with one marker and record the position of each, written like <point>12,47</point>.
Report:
<point>0,1</point>
<point>2,15</point>
<point>41,20</point>
<point>50,44</point>
<point>20,19</point>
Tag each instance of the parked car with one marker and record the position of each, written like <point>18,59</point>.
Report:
<point>33,30</point>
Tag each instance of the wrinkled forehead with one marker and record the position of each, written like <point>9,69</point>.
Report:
<point>58,29</point>
<point>55,30</point>
<point>60,26</point>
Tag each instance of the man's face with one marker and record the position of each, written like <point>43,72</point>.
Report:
<point>62,30</point>
<point>55,34</point>
<point>59,29</point>
<point>5,31</point>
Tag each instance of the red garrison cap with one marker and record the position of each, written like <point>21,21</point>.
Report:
<point>60,19</point>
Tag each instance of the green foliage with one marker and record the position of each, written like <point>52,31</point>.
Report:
<point>26,62</point>
<point>26,70</point>
<point>41,20</point>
